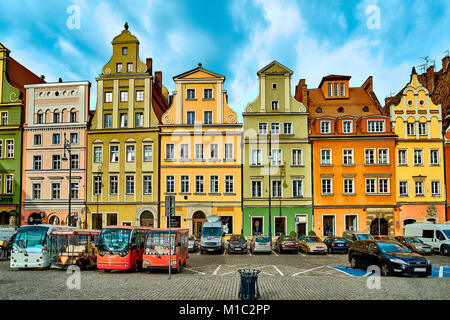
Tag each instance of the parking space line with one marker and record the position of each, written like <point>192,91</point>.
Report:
<point>190,269</point>
<point>441,272</point>
<point>307,270</point>
<point>275,253</point>
<point>217,269</point>
<point>281,273</point>
<point>267,273</point>
<point>348,274</point>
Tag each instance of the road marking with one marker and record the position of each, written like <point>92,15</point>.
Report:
<point>190,269</point>
<point>301,254</point>
<point>441,272</point>
<point>274,253</point>
<point>267,273</point>
<point>281,273</point>
<point>217,269</point>
<point>307,270</point>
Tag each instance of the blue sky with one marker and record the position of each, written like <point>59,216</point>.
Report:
<point>235,38</point>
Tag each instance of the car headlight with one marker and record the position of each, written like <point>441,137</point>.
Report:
<point>173,263</point>
<point>122,253</point>
<point>399,261</point>
<point>146,263</point>
<point>101,253</point>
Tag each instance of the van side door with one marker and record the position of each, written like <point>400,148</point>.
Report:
<point>428,237</point>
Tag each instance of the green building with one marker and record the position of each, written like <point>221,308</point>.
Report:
<point>278,123</point>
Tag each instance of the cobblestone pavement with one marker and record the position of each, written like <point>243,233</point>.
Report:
<point>282,277</point>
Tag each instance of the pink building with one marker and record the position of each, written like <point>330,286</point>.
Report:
<point>54,112</point>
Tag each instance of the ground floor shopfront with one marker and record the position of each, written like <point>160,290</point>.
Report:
<point>9,214</point>
<point>422,212</point>
<point>284,220</point>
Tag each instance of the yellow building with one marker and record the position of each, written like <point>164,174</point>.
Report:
<point>201,153</point>
<point>419,156</point>
<point>123,149</point>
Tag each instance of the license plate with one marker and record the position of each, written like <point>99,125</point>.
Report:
<point>237,248</point>
<point>420,269</point>
<point>340,245</point>
<point>210,249</point>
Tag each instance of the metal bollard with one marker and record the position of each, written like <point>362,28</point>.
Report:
<point>249,284</point>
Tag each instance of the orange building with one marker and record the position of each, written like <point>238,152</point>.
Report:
<point>353,158</point>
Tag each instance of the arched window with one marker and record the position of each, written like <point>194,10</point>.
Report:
<point>366,109</point>
<point>319,110</point>
<point>340,110</point>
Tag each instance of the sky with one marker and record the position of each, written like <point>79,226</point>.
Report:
<point>71,39</point>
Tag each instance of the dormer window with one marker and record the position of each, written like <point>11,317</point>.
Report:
<point>325,127</point>
<point>347,126</point>
<point>319,110</point>
<point>336,89</point>
<point>366,109</point>
<point>124,50</point>
<point>342,89</point>
<point>340,110</point>
<point>374,126</point>
<point>275,105</point>
<point>330,89</point>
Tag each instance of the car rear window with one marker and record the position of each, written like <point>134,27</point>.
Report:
<point>262,240</point>
<point>363,236</point>
<point>339,240</point>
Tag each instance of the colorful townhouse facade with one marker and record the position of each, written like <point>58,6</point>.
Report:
<point>56,120</point>
<point>420,176</point>
<point>13,78</point>
<point>201,153</point>
<point>353,158</point>
<point>123,140</point>
<point>277,170</point>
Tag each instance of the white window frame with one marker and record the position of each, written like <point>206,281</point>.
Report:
<point>438,157</point>
<point>300,152</point>
<point>321,157</point>
<point>423,188</point>
<point>352,186</point>
<point>322,185</point>
<point>434,194</point>
<point>323,122</point>
<point>375,128</point>
<point>374,150</point>
<point>399,158</point>
<point>343,126</point>
<point>352,157</point>
<point>375,185</point>
<point>387,155</point>
<point>406,182</point>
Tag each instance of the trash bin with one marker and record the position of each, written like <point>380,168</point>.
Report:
<point>249,284</point>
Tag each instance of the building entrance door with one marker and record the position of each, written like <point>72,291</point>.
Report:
<point>197,223</point>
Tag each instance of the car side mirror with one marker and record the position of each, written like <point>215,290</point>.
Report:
<point>223,234</point>
<point>179,244</point>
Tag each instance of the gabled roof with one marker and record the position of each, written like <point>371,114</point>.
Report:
<point>198,69</point>
<point>280,70</point>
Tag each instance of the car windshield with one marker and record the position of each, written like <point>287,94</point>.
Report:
<point>31,239</point>
<point>413,240</point>
<point>389,247</point>
<point>364,236</point>
<point>212,232</point>
<point>262,239</point>
<point>158,243</point>
<point>313,239</point>
<point>238,238</point>
<point>447,233</point>
<point>114,240</point>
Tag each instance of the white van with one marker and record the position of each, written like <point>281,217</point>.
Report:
<point>435,235</point>
<point>212,235</point>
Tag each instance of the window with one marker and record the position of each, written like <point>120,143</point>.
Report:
<point>214,151</point>
<point>422,128</point>
<point>113,185</point>
<point>435,188</point>
<point>347,156</point>
<point>4,118</point>
<point>130,154</point>
<point>139,122</point>
<point>274,86</point>
<point>124,50</point>
<point>287,128</point>
<point>276,157</point>
<point>214,184</point>
<point>369,156</point>
<point>262,128</point>
<point>371,186</point>
<point>190,117</point>
<point>36,191</point>
<point>325,156</point>
<point>118,67</point>
<point>383,156</point>
<point>229,184</point>
<point>207,94</point>
<point>403,188</point>
<point>75,161</point>
<point>147,184</point>
<point>130,184</point>
<point>336,89</point>
<point>375,126</point>
<point>123,120</point>
<point>56,190</point>
<point>275,105</point>
<point>418,187</point>
<point>184,184</point>
<point>98,154</point>
<point>402,157</point>
<point>114,154</point>
<point>74,138</point>
<point>410,129</point>
<point>73,116</point>
<point>418,157</point>
<point>326,186</point>
<point>199,151</point>
<point>56,138</point>
<point>280,225</point>
<point>330,89</point>
<point>275,128</point>
<point>229,152</point>
<point>297,157</point>
<point>56,117</point>
<point>37,162</point>
<point>56,162</point>
<point>123,96</point>
<point>256,189</point>
<point>277,189</point>
<point>1,148</point>
<point>434,157</point>
<point>383,185</point>
<point>184,152</point>
<point>342,89</point>
<point>170,152</point>
<point>347,126</point>
<point>208,117</point>
<point>351,222</point>
<point>227,222</point>
<point>74,190</point>
<point>349,187</point>
<point>170,184</point>
<point>199,184</point>
<point>139,95</point>
<point>37,139</point>
<point>256,157</point>
<point>40,118</point>
<point>148,153</point>
<point>9,184</point>
<point>190,94</point>
<point>325,127</point>
<point>108,120</point>
<point>129,67</point>
<point>297,188</point>
<point>97,185</point>
<point>108,96</point>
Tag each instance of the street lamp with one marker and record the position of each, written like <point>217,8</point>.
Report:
<point>270,187</point>
<point>68,147</point>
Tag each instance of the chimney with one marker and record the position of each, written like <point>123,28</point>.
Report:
<point>170,99</point>
<point>60,80</point>
<point>42,77</point>
<point>158,75</point>
<point>445,62</point>
<point>149,63</point>
<point>430,79</point>
<point>387,101</point>
<point>301,92</point>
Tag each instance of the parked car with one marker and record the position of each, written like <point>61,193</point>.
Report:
<point>415,244</point>
<point>435,235</point>
<point>192,244</point>
<point>336,244</point>
<point>312,244</point>
<point>390,256</point>
<point>352,236</point>
<point>286,243</point>
<point>237,244</point>
<point>261,244</point>
<point>383,237</point>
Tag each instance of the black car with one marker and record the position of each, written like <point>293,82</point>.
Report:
<point>390,256</point>
<point>336,244</point>
<point>237,244</point>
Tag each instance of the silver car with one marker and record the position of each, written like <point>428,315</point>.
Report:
<point>261,244</point>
